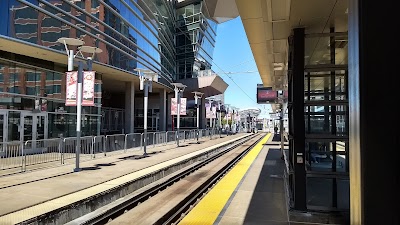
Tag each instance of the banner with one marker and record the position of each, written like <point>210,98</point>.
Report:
<point>214,112</point>
<point>174,107</point>
<point>87,88</point>
<point>72,82</point>
<point>211,112</point>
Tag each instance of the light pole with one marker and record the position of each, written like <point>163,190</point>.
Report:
<point>179,88</point>
<point>226,116</point>
<point>220,120</point>
<point>197,95</point>
<point>71,56</point>
<point>146,84</point>
<point>233,125</point>
<point>210,101</point>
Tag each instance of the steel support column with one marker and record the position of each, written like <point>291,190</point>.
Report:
<point>373,90</point>
<point>298,120</point>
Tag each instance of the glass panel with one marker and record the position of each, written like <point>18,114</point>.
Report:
<point>2,130</point>
<point>57,125</point>
<point>340,87</point>
<point>341,119</point>
<point>28,127</point>
<point>40,127</point>
<point>343,194</point>
<point>318,119</point>
<point>322,191</point>
<point>320,156</point>
<point>14,126</point>
<point>320,87</point>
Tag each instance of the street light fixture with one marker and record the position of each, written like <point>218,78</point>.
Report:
<point>146,83</point>
<point>179,88</point>
<point>197,95</point>
<point>70,53</point>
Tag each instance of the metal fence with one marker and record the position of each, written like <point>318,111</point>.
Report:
<point>21,156</point>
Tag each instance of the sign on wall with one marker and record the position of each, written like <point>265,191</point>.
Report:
<point>87,89</point>
<point>174,107</point>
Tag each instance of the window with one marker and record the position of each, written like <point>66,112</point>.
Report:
<point>14,89</point>
<point>97,87</point>
<point>53,89</point>
<point>49,76</point>
<point>14,77</point>
<point>57,89</point>
<point>49,89</point>
<point>32,90</point>
<point>32,76</point>
<point>57,76</point>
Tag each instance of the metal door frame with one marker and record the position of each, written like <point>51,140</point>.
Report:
<point>4,113</point>
<point>35,120</point>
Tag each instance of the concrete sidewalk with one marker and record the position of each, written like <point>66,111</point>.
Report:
<point>31,188</point>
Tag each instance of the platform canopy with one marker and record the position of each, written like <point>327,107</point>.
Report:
<point>253,112</point>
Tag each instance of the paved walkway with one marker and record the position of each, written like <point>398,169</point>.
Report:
<point>27,189</point>
<point>260,198</point>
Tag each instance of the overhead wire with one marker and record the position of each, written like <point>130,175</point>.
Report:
<point>234,82</point>
<point>185,34</point>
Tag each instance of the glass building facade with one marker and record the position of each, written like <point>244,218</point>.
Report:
<point>132,34</point>
<point>195,40</point>
<point>175,40</point>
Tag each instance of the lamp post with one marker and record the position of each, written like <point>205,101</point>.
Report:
<point>146,78</point>
<point>220,120</point>
<point>178,88</point>
<point>210,101</point>
<point>197,95</point>
<point>70,53</point>
<point>226,116</point>
<point>233,119</point>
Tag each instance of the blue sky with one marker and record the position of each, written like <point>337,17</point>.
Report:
<point>233,54</point>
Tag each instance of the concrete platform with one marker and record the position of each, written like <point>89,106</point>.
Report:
<point>26,190</point>
<point>260,198</point>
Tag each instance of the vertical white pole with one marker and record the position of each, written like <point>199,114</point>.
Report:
<point>178,117</point>
<point>70,60</point>
<point>78,116</point>
<point>146,96</point>
<point>197,116</point>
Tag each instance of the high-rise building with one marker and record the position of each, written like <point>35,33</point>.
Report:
<point>172,39</point>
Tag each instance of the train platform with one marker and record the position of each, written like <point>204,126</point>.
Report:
<point>253,192</point>
<point>30,195</point>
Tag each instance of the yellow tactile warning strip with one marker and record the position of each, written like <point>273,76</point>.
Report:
<point>40,209</point>
<point>208,209</point>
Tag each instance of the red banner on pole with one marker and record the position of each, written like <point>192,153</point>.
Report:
<point>174,108</point>
<point>87,88</point>
<point>72,82</point>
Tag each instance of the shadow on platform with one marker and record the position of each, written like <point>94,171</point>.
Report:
<point>277,137</point>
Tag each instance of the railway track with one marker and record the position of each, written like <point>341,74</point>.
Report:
<point>167,201</point>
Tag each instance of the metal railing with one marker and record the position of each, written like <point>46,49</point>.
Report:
<point>20,156</point>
